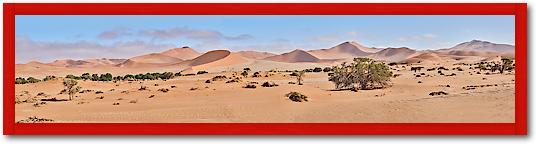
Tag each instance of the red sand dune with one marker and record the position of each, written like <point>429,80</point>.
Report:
<point>184,53</point>
<point>393,54</point>
<point>344,50</point>
<point>294,56</point>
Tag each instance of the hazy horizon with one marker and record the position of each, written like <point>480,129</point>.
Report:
<point>47,38</point>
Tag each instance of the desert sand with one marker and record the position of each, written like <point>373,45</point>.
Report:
<point>472,96</point>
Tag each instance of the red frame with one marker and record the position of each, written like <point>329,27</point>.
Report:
<point>517,128</point>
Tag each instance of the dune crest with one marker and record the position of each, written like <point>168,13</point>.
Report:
<point>344,50</point>
<point>294,56</point>
<point>184,53</point>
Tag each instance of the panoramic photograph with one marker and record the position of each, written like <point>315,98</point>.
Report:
<point>265,69</point>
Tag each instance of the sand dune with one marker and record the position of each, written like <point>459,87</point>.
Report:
<point>216,59</point>
<point>294,56</point>
<point>344,50</point>
<point>255,54</point>
<point>394,54</point>
<point>483,46</point>
<point>425,57</point>
<point>223,60</point>
<point>155,58</point>
<point>184,53</point>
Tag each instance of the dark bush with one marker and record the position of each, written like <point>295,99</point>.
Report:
<point>296,97</point>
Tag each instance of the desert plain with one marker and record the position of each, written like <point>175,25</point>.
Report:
<point>469,95</point>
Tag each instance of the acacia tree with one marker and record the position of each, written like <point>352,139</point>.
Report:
<point>363,72</point>
<point>299,77</point>
<point>71,87</point>
<point>506,64</point>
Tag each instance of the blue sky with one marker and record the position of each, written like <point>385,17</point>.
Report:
<point>79,37</point>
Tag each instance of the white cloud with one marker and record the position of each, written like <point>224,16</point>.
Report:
<point>27,49</point>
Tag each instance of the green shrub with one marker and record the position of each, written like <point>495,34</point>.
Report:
<point>33,80</point>
<point>364,72</point>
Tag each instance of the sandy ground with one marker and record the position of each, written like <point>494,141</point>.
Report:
<point>407,101</point>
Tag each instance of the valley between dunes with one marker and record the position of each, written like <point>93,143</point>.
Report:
<point>191,100</point>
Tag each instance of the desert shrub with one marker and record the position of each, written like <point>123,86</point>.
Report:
<point>296,97</point>
<point>85,76</point>
<point>234,80</point>
<point>207,81</point>
<point>32,80</point>
<point>70,76</point>
<point>247,69</point>
<point>438,93</point>
<point>415,69</point>
<point>106,77</point>
<point>317,69</point>
<point>41,94</point>
<point>256,74</point>
<point>178,74</point>
<point>188,74</point>
<point>133,101</point>
<point>250,86</point>
<point>163,90</point>
<point>364,72</point>
<point>202,72</point>
<point>308,70</point>
<point>219,78</point>
<point>71,87</point>
<point>167,75</point>
<point>244,73</point>
<point>142,88</point>
<point>327,69</point>
<point>47,78</point>
<point>118,78</point>
<point>20,80</point>
<point>95,77</point>
<point>98,92</point>
<point>269,84</point>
